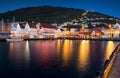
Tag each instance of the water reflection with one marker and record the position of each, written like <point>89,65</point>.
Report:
<point>58,50</point>
<point>65,58</point>
<point>84,51</point>
<point>11,48</point>
<point>44,52</point>
<point>19,53</point>
<point>67,48</point>
<point>27,52</point>
<point>109,49</point>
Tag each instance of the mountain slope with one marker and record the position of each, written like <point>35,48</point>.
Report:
<point>48,14</point>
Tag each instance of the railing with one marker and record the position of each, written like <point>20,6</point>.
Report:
<point>108,63</point>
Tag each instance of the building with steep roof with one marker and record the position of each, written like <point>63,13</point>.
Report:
<point>117,26</point>
<point>46,30</point>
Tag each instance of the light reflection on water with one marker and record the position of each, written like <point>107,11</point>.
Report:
<point>43,52</point>
<point>27,52</point>
<point>67,48</point>
<point>59,55</point>
<point>109,48</point>
<point>19,53</point>
<point>84,51</point>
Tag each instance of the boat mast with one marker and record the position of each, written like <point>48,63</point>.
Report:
<point>13,19</point>
<point>2,25</point>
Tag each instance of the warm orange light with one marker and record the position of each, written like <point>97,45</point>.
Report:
<point>84,50</point>
<point>83,27</point>
<point>58,47</point>
<point>11,36</point>
<point>109,49</point>
<point>110,26</point>
<point>11,46</point>
<point>67,48</point>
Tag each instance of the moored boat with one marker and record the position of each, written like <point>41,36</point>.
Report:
<point>12,39</point>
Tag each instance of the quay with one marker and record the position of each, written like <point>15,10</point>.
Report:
<point>111,67</point>
<point>69,38</point>
<point>115,70</point>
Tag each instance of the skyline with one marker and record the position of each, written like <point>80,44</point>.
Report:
<point>109,7</point>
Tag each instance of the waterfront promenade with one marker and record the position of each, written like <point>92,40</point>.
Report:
<point>69,38</point>
<point>111,67</point>
<point>115,70</point>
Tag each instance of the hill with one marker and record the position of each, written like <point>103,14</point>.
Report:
<point>49,14</point>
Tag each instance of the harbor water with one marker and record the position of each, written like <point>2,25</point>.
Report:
<point>54,58</point>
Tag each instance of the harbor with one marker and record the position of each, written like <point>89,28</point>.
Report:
<point>110,67</point>
<point>60,58</point>
<point>59,39</point>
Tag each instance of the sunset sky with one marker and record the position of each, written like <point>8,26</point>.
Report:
<point>110,7</point>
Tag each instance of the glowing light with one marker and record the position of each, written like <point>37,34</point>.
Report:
<point>110,26</point>
<point>83,57</point>
<point>67,48</point>
<point>109,49</point>
<point>11,46</point>
<point>27,52</point>
<point>83,27</point>
<point>58,47</point>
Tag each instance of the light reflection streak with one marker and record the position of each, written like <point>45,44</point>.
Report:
<point>109,49</point>
<point>17,55</point>
<point>27,52</point>
<point>58,49</point>
<point>67,48</point>
<point>11,47</point>
<point>84,52</point>
<point>44,53</point>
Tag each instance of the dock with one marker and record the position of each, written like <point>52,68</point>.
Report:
<point>111,67</point>
<point>115,70</point>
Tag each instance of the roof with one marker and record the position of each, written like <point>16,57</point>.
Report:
<point>99,29</point>
<point>32,25</point>
<point>116,26</point>
<point>22,24</point>
<point>47,25</point>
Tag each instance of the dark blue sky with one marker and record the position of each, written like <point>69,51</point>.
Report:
<point>110,7</point>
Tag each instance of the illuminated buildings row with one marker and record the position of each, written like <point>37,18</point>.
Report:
<point>97,32</point>
<point>46,30</point>
<point>30,30</point>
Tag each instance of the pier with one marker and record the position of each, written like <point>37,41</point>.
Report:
<point>111,67</point>
<point>115,70</point>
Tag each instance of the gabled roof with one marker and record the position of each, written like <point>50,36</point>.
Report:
<point>99,29</point>
<point>47,25</point>
<point>32,25</point>
<point>22,24</point>
<point>117,26</point>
